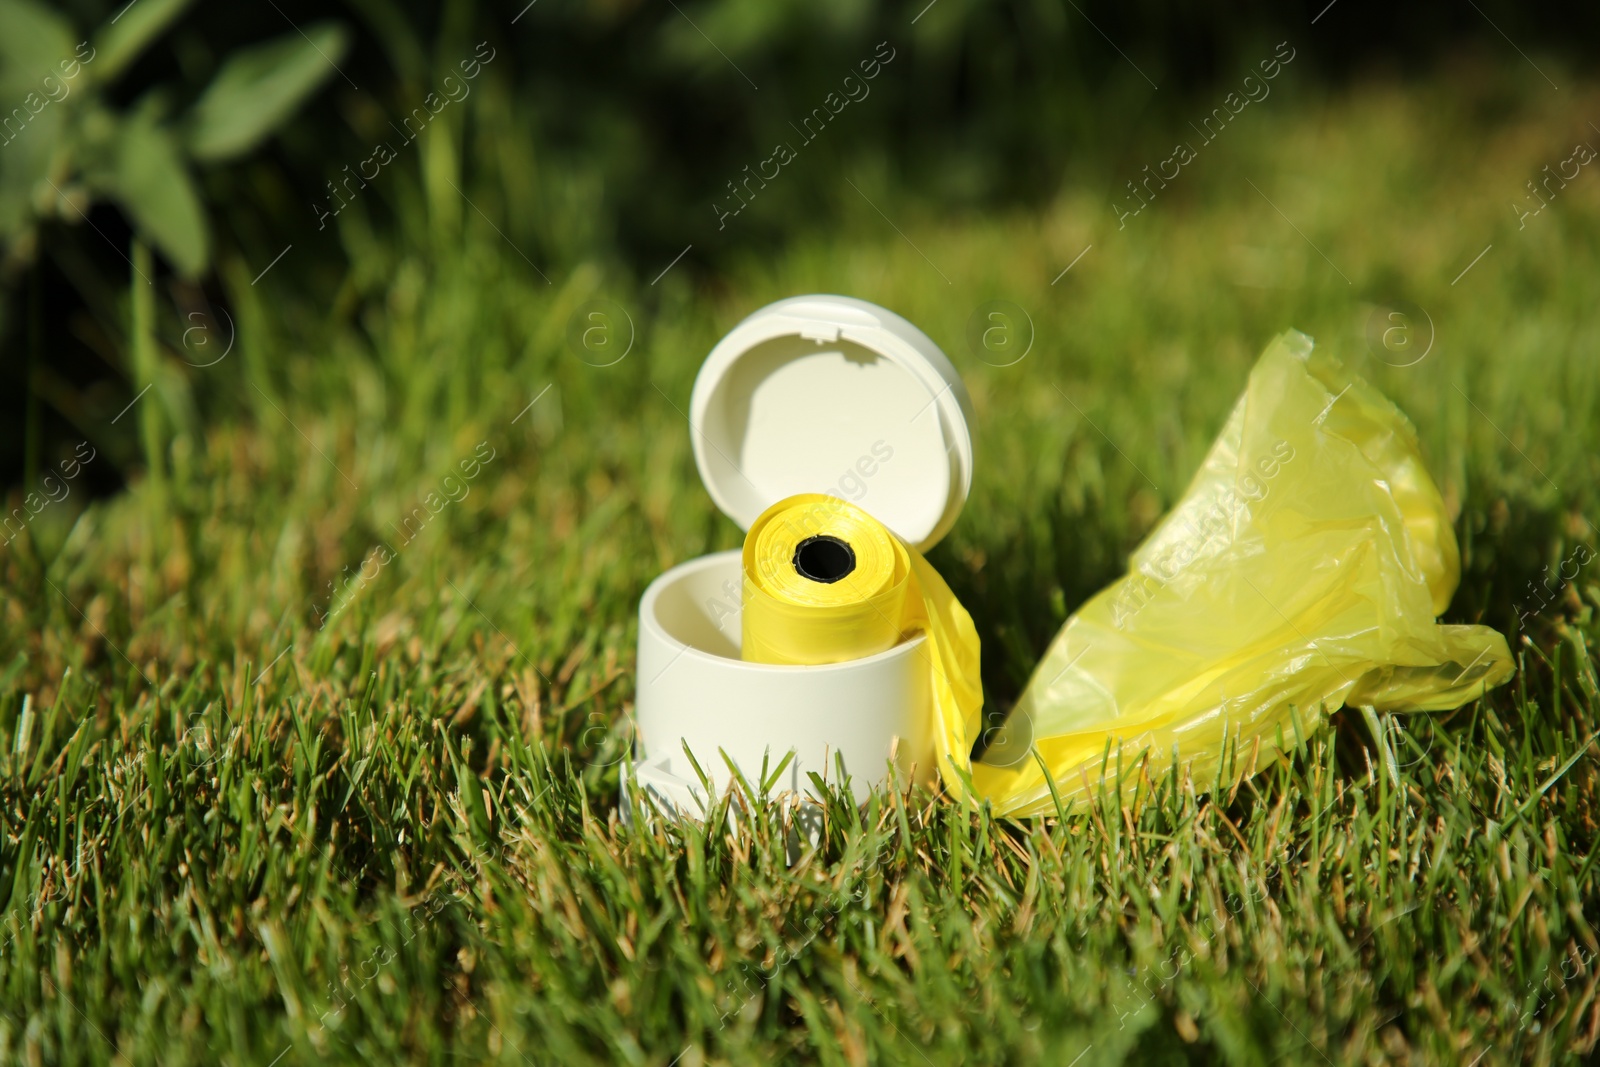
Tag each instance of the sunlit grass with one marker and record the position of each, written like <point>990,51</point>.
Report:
<point>239,823</point>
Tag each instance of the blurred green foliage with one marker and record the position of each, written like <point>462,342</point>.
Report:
<point>66,145</point>
<point>610,134</point>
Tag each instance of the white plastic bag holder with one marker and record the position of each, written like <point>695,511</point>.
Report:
<point>813,394</point>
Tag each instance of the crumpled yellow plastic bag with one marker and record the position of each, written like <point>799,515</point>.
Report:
<point>1303,568</point>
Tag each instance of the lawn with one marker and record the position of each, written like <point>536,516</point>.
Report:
<point>288,774</point>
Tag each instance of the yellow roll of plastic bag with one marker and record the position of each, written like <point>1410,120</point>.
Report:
<point>825,582</point>
<point>1303,569</point>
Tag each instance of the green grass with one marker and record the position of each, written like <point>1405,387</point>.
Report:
<point>400,841</point>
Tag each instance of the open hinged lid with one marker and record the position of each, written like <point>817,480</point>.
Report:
<point>829,394</point>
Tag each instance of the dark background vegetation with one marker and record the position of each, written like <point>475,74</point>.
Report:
<point>614,126</point>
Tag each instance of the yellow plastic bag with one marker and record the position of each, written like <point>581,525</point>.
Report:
<point>1303,569</point>
<point>825,582</point>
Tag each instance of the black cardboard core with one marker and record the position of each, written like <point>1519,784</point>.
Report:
<point>824,558</point>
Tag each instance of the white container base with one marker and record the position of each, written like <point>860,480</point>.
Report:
<point>695,691</point>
